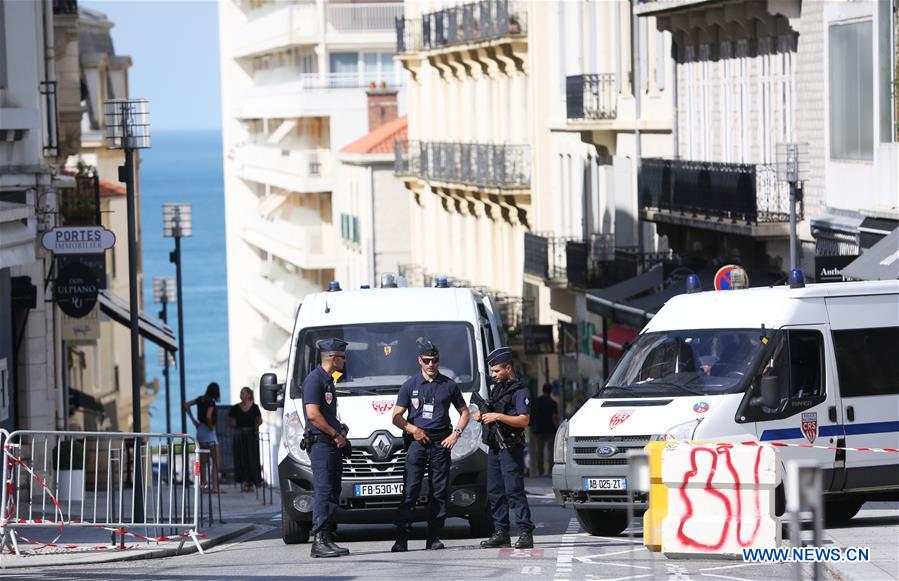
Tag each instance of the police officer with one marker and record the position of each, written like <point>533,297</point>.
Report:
<point>325,436</point>
<point>510,414</point>
<point>428,397</point>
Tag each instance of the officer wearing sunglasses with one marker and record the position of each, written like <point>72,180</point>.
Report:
<point>427,396</point>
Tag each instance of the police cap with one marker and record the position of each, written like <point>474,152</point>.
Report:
<point>329,345</point>
<point>500,356</point>
<point>428,349</point>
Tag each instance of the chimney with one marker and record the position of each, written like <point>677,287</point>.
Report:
<point>382,106</point>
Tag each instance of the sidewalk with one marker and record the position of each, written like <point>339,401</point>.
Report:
<point>235,505</point>
<point>876,526</point>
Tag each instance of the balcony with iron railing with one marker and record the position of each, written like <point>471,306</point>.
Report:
<point>475,164</point>
<point>567,261</point>
<point>466,24</point>
<point>591,97</point>
<point>733,197</point>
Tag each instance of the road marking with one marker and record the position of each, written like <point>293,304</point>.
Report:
<point>724,577</point>
<point>531,570</point>
<point>719,568</point>
<point>566,551</point>
<point>677,572</point>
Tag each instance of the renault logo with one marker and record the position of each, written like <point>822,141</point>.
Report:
<point>381,446</point>
<point>606,451</point>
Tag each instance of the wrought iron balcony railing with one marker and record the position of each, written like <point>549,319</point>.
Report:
<point>477,164</point>
<point>738,192</point>
<point>467,23</point>
<point>591,96</point>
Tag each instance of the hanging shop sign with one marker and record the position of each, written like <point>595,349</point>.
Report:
<point>78,240</point>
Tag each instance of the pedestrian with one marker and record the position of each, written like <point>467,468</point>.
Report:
<point>427,396</point>
<point>325,437</point>
<point>508,414</point>
<point>546,420</point>
<point>207,416</point>
<point>245,419</point>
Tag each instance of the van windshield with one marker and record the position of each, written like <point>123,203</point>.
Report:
<point>683,363</point>
<point>381,356</point>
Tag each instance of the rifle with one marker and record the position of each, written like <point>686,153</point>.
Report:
<point>493,431</point>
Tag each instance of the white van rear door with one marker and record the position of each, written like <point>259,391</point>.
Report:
<point>865,335</point>
<point>492,313</point>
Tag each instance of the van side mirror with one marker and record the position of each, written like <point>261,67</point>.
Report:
<point>770,392</point>
<point>271,393</point>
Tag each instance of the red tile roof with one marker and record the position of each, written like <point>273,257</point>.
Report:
<point>111,189</point>
<point>381,140</point>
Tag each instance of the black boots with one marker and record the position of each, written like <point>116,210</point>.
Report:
<point>329,539</point>
<point>525,540</point>
<point>401,545</point>
<point>500,538</point>
<point>323,546</point>
<point>434,544</point>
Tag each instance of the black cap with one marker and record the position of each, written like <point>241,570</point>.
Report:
<point>428,348</point>
<point>500,356</point>
<point>328,345</point>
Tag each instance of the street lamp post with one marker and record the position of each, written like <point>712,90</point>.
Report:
<point>792,168</point>
<point>128,128</point>
<point>164,293</point>
<point>177,222</point>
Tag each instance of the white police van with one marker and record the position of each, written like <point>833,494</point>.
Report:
<point>383,328</point>
<point>816,364</point>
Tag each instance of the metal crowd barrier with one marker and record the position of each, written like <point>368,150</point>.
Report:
<point>106,481</point>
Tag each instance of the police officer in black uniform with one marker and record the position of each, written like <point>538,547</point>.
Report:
<point>509,414</point>
<point>427,396</point>
<point>325,436</point>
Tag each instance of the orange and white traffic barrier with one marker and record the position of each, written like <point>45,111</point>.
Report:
<point>720,498</point>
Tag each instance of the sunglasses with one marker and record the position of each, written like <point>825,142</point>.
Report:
<point>429,360</point>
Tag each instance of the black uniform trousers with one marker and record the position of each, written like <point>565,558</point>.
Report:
<point>505,488</point>
<point>327,461</point>
<point>437,459</point>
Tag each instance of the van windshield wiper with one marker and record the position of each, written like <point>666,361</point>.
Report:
<point>619,387</point>
<point>672,384</point>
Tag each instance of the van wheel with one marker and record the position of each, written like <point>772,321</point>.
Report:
<point>294,532</point>
<point>480,525</point>
<point>601,522</point>
<point>842,510</point>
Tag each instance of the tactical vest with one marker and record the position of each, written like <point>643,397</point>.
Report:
<point>498,401</point>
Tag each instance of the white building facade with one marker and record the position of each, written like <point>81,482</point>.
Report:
<point>294,81</point>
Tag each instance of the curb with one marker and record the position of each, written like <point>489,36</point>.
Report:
<point>151,554</point>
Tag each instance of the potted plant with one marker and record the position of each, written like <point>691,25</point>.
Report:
<point>514,24</point>
<point>68,459</point>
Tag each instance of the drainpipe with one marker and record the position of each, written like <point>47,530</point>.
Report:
<point>372,256</point>
<point>637,88</point>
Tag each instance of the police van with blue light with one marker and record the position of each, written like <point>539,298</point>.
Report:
<point>383,328</point>
<point>795,364</point>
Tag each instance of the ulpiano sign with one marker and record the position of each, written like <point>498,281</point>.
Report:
<point>76,289</point>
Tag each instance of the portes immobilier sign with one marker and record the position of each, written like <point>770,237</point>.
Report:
<point>78,240</point>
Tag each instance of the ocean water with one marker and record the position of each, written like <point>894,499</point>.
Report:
<point>186,166</point>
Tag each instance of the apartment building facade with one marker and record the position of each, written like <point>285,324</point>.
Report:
<point>294,82</point>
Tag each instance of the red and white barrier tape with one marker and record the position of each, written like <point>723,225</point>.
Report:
<point>785,445</point>
<point>10,509</point>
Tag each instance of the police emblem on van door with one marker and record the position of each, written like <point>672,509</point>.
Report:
<point>382,407</point>
<point>619,418</point>
<point>329,397</point>
<point>810,426</point>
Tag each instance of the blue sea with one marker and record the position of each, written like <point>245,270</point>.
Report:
<point>186,166</point>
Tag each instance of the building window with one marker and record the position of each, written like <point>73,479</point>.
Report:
<point>344,62</point>
<point>850,63</point>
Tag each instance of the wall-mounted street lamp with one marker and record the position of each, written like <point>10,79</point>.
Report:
<point>792,167</point>
<point>177,222</point>
<point>163,294</point>
<point>128,128</point>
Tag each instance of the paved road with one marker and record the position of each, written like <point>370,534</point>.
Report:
<point>562,552</point>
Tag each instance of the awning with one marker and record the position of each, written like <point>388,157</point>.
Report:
<point>838,220</point>
<point>117,309</point>
<point>613,303</point>
<point>619,336</point>
<point>880,262</point>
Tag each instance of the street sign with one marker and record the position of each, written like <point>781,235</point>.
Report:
<point>78,240</point>
<point>76,289</point>
<point>731,277</point>
<point>829,268</point>
<point>85,329</point>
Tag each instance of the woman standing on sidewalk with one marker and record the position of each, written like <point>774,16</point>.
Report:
<point>245,418</point>
<point>206,412</point>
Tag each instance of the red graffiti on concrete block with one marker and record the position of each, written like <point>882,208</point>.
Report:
<point>729,515</point>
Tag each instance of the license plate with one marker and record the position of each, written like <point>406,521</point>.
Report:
<point>605,483</point>
<point>380,489</point>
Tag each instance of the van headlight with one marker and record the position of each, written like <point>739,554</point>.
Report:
<point>293,433</point>
<point>560,446</point>
<point>681,432</point>
<point>468,442</point>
